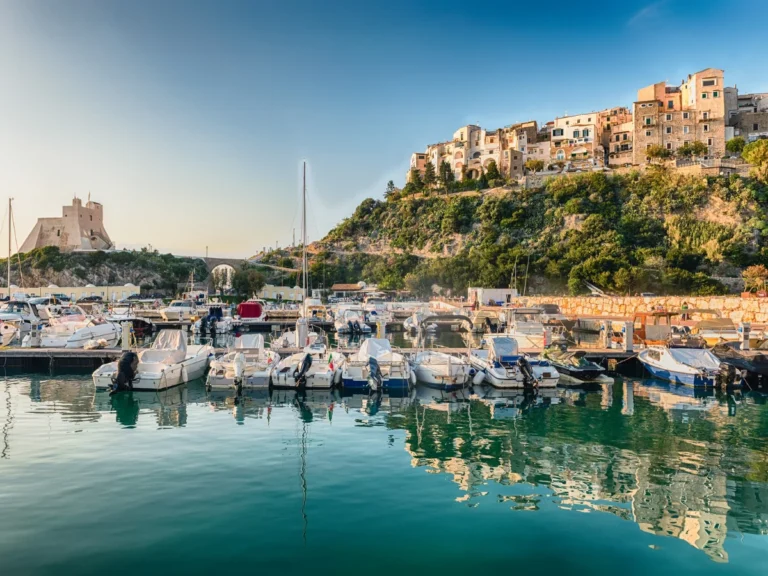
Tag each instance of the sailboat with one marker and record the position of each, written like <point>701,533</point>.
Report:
<point>314,366</point>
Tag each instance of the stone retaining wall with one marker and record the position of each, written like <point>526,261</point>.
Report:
<point>734,307</point>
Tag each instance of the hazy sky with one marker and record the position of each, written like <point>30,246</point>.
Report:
<point>189,120</point>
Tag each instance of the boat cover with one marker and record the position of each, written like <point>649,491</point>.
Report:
<point>250,309</point>
<point>249,342</point>
<point>374,348</point>
<point>696,358</point>
<point>501,348</point>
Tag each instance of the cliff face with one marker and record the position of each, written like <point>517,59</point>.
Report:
<point>44,266</point>
<point>625,233</point>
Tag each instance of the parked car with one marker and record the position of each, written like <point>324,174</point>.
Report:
<point>86,299</point>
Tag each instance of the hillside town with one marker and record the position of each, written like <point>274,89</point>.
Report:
<point>691,122</point>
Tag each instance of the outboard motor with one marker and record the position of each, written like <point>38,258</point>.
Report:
<point>203,325</point>
<point>212,326</point>
<point>239,365</point>
<point>126,372</point>
<point>300,374</point>
<point>726,377</point>
<point>529,380</point>
<point>375,378</point>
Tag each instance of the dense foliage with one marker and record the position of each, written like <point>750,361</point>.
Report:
<point>651,231</point>
<point>165,270</point>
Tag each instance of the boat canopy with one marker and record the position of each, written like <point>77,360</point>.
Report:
<point>716,324</point>
<point>502,347</point>
<point>250,309</point>
<point>249,342</point>
<point>695,357</point>
<point>170,340</point>
<point>375,348</point>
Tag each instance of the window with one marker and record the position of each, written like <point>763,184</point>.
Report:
<point>462,136</point>
<point>575,133</point>
<point>585,133</point>
<point>704,95</point>
<point>624,137</point>
<point>91,217</point>
<point>617,147</point>
<point>669,117</point>
<point>706,127</point>
<point>670,104</point>
<point>705,115</point>
<point>709,82</point>
<point>686,115</point>
<point>58,232</point>
<point>669,145</point>
<point>715,94</point>
<point>668,130</point>
<point>557,132</point>
<point>617,137</point>
<point>647,120</point>
<point>686,129</point>
<point>687,142</point>
<point>755,127</point>
<point>647,146</point>
<point>709,141</point>
<point>567,122</point>
<point>560,155</point>
<point>648,133</point>
<point>589,119</point>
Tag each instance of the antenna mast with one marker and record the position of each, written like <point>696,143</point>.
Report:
<point>10,219</point>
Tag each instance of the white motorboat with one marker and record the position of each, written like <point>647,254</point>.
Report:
<point>314,367</point>
<point>313,310</point>
<point>17,318</point>
<point>573,366</point>
<point>526,327</point>
<point>70,327</point>
<point>214,318</point>
<point>292,339</point>
<point>247,366</point>
<point>442,371</point>
<point>168,363</point>
<point>250,312</point>
<point>415,322</point>
<point>178,310</point>
<point>125,312</point>
<point>501,364</point>
<point>689,366</point>
<point>351,320</point>
<point>377,366</point>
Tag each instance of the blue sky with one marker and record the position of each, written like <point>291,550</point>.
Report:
<point>189,119</point>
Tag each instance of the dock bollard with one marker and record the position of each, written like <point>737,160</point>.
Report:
<point>745,328</point>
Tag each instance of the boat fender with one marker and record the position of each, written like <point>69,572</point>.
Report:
<point>412,378</point>
<point>478,377</point>
<point>126,372</point>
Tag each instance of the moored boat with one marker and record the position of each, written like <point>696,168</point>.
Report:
<point>502,365</point>
<point>681,365</point>
<point>168,363</point>
<point>247,366</point>
<point>442,371</point>
<point>377,366</point>
<point>573,366</point>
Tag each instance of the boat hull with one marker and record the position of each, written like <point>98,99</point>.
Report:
<point>153,380</point>
<point>387,383</point>
<point>694,380</point>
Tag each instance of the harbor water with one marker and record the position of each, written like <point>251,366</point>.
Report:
<point>636,477</point>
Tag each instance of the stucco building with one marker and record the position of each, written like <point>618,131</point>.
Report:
<point>80,227</point>
<point>670,116</point>
<point>576,138</point>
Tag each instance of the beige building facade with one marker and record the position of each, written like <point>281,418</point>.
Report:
<point>671,116</point>
<point>80,227</point>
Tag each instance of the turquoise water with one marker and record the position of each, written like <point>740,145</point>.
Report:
<point>635,477</point>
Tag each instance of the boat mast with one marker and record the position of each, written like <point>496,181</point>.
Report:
<point>304,238</point>
<point>10,219</point>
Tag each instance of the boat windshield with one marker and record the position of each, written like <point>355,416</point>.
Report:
<point>13,307</point>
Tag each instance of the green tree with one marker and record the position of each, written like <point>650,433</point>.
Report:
<point>658,152</point>
<point>446,175</point>
<point>240,283</point>
<point>492,173</point>
<point>735,145</point>
<point>534,165</point>
<point>755,277</point>
<point>482,182</point>
<point>756,153</point>
<point>694,149</point>
<point>415,179</point>
<point>430,178</point>
<point>256,281</point>
<point>390,191</point>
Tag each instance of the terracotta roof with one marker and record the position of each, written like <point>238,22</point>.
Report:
<point>345,287</point>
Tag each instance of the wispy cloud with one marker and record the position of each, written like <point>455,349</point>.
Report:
<point>647,13</point>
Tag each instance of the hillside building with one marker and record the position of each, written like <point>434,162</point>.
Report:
<point>80,227</point>
<point>670,116</point>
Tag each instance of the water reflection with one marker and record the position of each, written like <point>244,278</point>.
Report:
<point>678,463</point>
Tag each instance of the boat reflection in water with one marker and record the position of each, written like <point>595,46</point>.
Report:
<point>648,453</point>
<point>678,462</point>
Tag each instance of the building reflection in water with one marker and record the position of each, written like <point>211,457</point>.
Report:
<point>674,462</point>
<point>679,463</point>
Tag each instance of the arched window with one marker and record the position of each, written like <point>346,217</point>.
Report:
<point>476,155</point>
<point>459,155</point>
<point>560,155</point>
